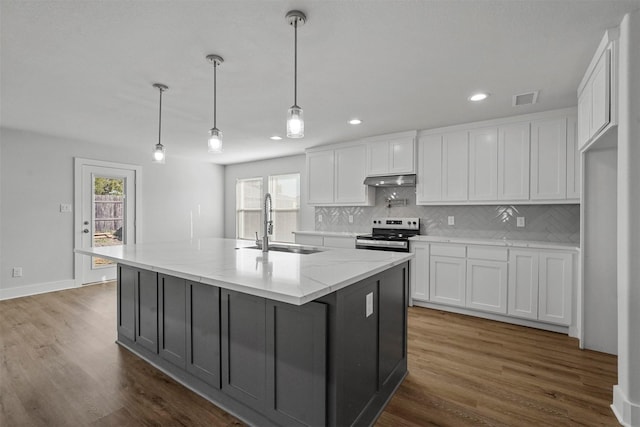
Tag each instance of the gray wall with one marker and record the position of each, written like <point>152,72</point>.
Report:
<point>36,175</point>
<point>553,223</point>
<point>264,168</point>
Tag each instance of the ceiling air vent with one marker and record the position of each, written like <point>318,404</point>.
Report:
<point>525,98</point>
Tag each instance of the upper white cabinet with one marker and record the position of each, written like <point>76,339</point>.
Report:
<point>549,159</point>
<point>596,93</point>
<point>530,159</point>
<point>392,155</point>
<point>483,164</point>
<point>335,177</point>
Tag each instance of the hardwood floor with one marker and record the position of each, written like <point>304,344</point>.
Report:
<point>59,366</point>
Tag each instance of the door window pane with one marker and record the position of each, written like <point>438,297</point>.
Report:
<point>248,207</point>
<point>108,215</point>
<point>285,193</point>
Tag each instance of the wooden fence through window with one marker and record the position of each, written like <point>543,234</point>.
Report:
<point>109,213</point>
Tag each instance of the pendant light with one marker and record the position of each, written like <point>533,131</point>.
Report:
<point>295,116</point>
<point>159,150</point>
<point>215,135</point>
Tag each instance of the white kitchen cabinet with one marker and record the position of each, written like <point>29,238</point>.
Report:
<point>486,285</point>
<point>549,159</point>
<point>391,157</point>
<point>597,92</point>
<point>523,284</point>
<point>573,161</point>
<point>335,177</point>
<point>555,287</point>
<point>419,268</point>
<point>447,275</point>
<point>455,166</point>
<point>483,164</point>
<point>513,161</point>
<point>429,185</point>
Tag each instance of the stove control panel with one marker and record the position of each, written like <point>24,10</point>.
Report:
<point>397,223</point>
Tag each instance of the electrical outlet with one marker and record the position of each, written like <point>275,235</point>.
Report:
<point>369,304</point>
<point>319,218</point>
<point>65,207</point>
<point>17,272</point>
<point>350,219</point>
<point>451,220</point>
<point>520,221</point>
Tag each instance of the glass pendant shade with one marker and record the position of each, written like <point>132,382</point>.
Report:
<point>159,154</point>
<point>215,141</point>
<point>295,122</point>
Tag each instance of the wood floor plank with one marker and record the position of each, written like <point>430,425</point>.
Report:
<point>59,365</point>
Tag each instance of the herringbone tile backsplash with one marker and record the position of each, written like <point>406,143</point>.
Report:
<point>550,223</point>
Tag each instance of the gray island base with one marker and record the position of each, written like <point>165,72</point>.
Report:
<point>334,361</point>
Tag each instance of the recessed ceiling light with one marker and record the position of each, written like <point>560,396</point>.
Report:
<point>480,96</point>
<point>275,137</point>
<point>355,121</point>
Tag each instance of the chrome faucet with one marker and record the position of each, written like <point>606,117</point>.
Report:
<point>268,222</point>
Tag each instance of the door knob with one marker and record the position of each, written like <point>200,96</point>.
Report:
<point>86,230</point>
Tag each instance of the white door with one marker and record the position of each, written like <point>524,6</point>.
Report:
<point>483,164</point>
<point>447,280</point>
<point>402,155</point>
<point>429,186</point>
<point>350,166</point>
<point>555,287</point>
<point>455,164</point>
<point>105,215</point>
<point>419,268</point>
<point>513,162</point>
<point>549,159</point>
<point>523,284</point>
<point>487,285</point>
<point>320,177</point>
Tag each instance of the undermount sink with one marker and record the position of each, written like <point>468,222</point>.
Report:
<point>291,249</point>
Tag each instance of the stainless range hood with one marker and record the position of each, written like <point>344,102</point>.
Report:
<point>391,181</point>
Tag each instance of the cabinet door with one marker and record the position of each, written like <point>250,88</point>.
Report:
<point>378,158</point>
<point>402,156</point>
<point>429,185</point>
<point>419,267</point>
<point>447,280</point>
<point>392,307</point>
<point>523,284</point>
<point>513,162</point>
<point>455,166</point>
<point>574,163</point>
<point>244,348</point>
<point>556,285</point>
<point>600,95</point>
<point>483,164</point>
<point>296,363</point>
<point>147,310</point>
<point>549,159</point>
<point>127,302</point>
<point>350,165</point>
<point>320,177</point>
<point>203,332</point>
<point>584,116</point>
<point>172,319</point>
<point>487,285</point>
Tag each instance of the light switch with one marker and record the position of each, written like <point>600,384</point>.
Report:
<point>319,218</point>
<point>520,221</point>
<point>451,220</point>
<point>369,308</point>
<point>17,272</point>
<point>65,207</point>
<point>350,219</point>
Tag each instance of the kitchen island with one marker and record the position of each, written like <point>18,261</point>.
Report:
<point>274,338</point>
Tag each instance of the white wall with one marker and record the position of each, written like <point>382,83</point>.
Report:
<point>264,168</point>
<point>36,175</point>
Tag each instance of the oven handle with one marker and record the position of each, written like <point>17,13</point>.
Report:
<point>382,243</point>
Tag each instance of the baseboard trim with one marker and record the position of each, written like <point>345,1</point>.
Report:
<point>628,413</point>
<point>35,289</point>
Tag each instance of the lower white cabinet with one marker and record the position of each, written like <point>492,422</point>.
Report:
<point>533,284</point>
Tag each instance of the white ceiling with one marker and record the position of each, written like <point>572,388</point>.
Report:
<point>84,69</point>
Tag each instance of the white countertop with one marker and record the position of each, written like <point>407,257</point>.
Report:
<point>281,276</point>
<point>329,233</point>
<point>497,242</point>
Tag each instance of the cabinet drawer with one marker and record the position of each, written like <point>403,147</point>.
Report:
<point>491,254</point>
<point>456,251</point>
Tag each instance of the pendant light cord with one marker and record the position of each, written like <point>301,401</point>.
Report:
<point>215,65</point>
<point>295,63</point>
<point>160,117</point>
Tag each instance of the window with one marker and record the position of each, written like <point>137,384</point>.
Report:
<point>285,197</point>
<point>285,193</point>
<point>248,207</point>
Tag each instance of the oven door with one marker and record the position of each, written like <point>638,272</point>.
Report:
<point>382,245</point>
